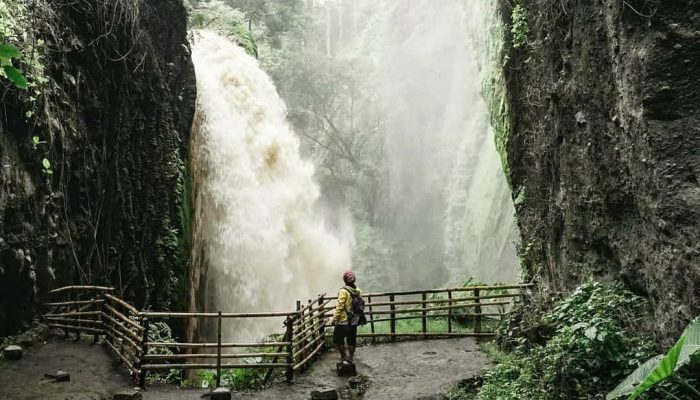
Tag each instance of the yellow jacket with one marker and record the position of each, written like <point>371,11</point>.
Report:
<point>344,304</point>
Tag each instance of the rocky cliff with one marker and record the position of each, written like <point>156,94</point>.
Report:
<point>97,195</point>
<point>603,104</point>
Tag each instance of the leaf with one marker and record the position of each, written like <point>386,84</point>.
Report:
<point>661,367</point>
<point>635,378</point>
<point>35,139</point>
<point>15,76</point>
<point>9,51</point>
<point>591,332</point>
<point>46,163</point>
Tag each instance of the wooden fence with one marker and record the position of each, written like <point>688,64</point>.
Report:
<point>96,310</point>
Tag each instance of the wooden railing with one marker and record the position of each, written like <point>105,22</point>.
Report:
<point>96,310</point>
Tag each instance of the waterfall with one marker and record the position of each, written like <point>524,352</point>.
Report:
<point>258,241</point>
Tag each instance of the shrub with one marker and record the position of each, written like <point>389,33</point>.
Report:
<point>593,346</point>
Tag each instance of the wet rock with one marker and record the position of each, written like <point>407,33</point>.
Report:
<point>345,369</point>
<point>13,352</point>
<point>131,394</point>
<point>329,394</point>
<point>58,376</point>
<point>221,394</point>
<point>581,118</point>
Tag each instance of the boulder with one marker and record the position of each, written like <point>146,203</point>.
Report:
<point>131,394</point>
<point>328,394</point>
<point>344,369</point>
<point>221,393</point>
<point>58,376</point>
<point>12,352</point>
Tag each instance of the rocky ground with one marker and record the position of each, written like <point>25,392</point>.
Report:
<point>408,370</point>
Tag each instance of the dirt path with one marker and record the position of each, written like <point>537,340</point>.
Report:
<point>408,370</point>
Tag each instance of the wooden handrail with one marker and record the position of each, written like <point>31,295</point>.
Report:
<point>64,288</point>
<point>305,335</point>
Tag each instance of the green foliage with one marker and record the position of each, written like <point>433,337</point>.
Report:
<point>227,21</point>
<point>47,166</point>
<point>594,344</point>
<point>161,332</point>
<point>519,27</point>
<point>7,53</point>
<point>245,39</point>
<point>21,54</point>
<point>659,368</point>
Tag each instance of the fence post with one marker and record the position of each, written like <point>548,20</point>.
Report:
<point>218,353</point>
<point>290,360</point>
<point>371,317</point>
<point>96,336</point>
<point>449,312</point>
<point>77,309</point>
<point>66,332</point>
<point>477,311</point>
<point>424,319</point>
<point>144,352</point>
<point>321,321</point>
<point>392,317</point>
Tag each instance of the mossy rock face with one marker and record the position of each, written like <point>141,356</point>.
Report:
<point>114,125</point>
<point>602,104</point>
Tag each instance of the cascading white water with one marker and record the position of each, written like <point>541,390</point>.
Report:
<point>256,233</point>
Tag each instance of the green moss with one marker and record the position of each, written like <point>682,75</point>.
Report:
<point>493,88</point>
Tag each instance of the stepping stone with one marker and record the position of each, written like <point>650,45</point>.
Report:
<point>130,394</point>
<point>221,393</point>
<point>329,394</point>
<point>13,352</point>
<point>59,376</point>
<point>345,369</point>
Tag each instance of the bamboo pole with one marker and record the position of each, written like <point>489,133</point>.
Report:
<point>449,312</point>
<point>72,314</point>
<point>151,314</point>
<point>424,321</point>
<point>64,288</point>
<point>301,350</point>
<point>123,317</point>
<point>212,366</point>
<point>322,328</point>
<point>75,328</point>
<point>74,303</point>
<point>316,350</point>
<point>144,352</point>
<point>218,353</point>
<point>122,303</point>
<point>369,307</point>
<point>427,335</point>
<point>455,289</point>
<point>286,338</point>
<point>438,316</point>
<point>393,310</point>
<point>211,355</point>
<point>73,320</point>
<point>122,326</point>
<point>211,345</point>
<point>477,310</point>
<point>126,362</point>
<point>455,300</point>
<point>289,373</point>
<point>120,335</point>
<point>77,332</point>
<point>392,317</point>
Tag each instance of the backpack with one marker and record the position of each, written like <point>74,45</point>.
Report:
<point>356,314</point>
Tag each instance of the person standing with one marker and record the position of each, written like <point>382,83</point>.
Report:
<point>349,313</point>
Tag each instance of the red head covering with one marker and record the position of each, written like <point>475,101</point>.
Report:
<point>349,277</point>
